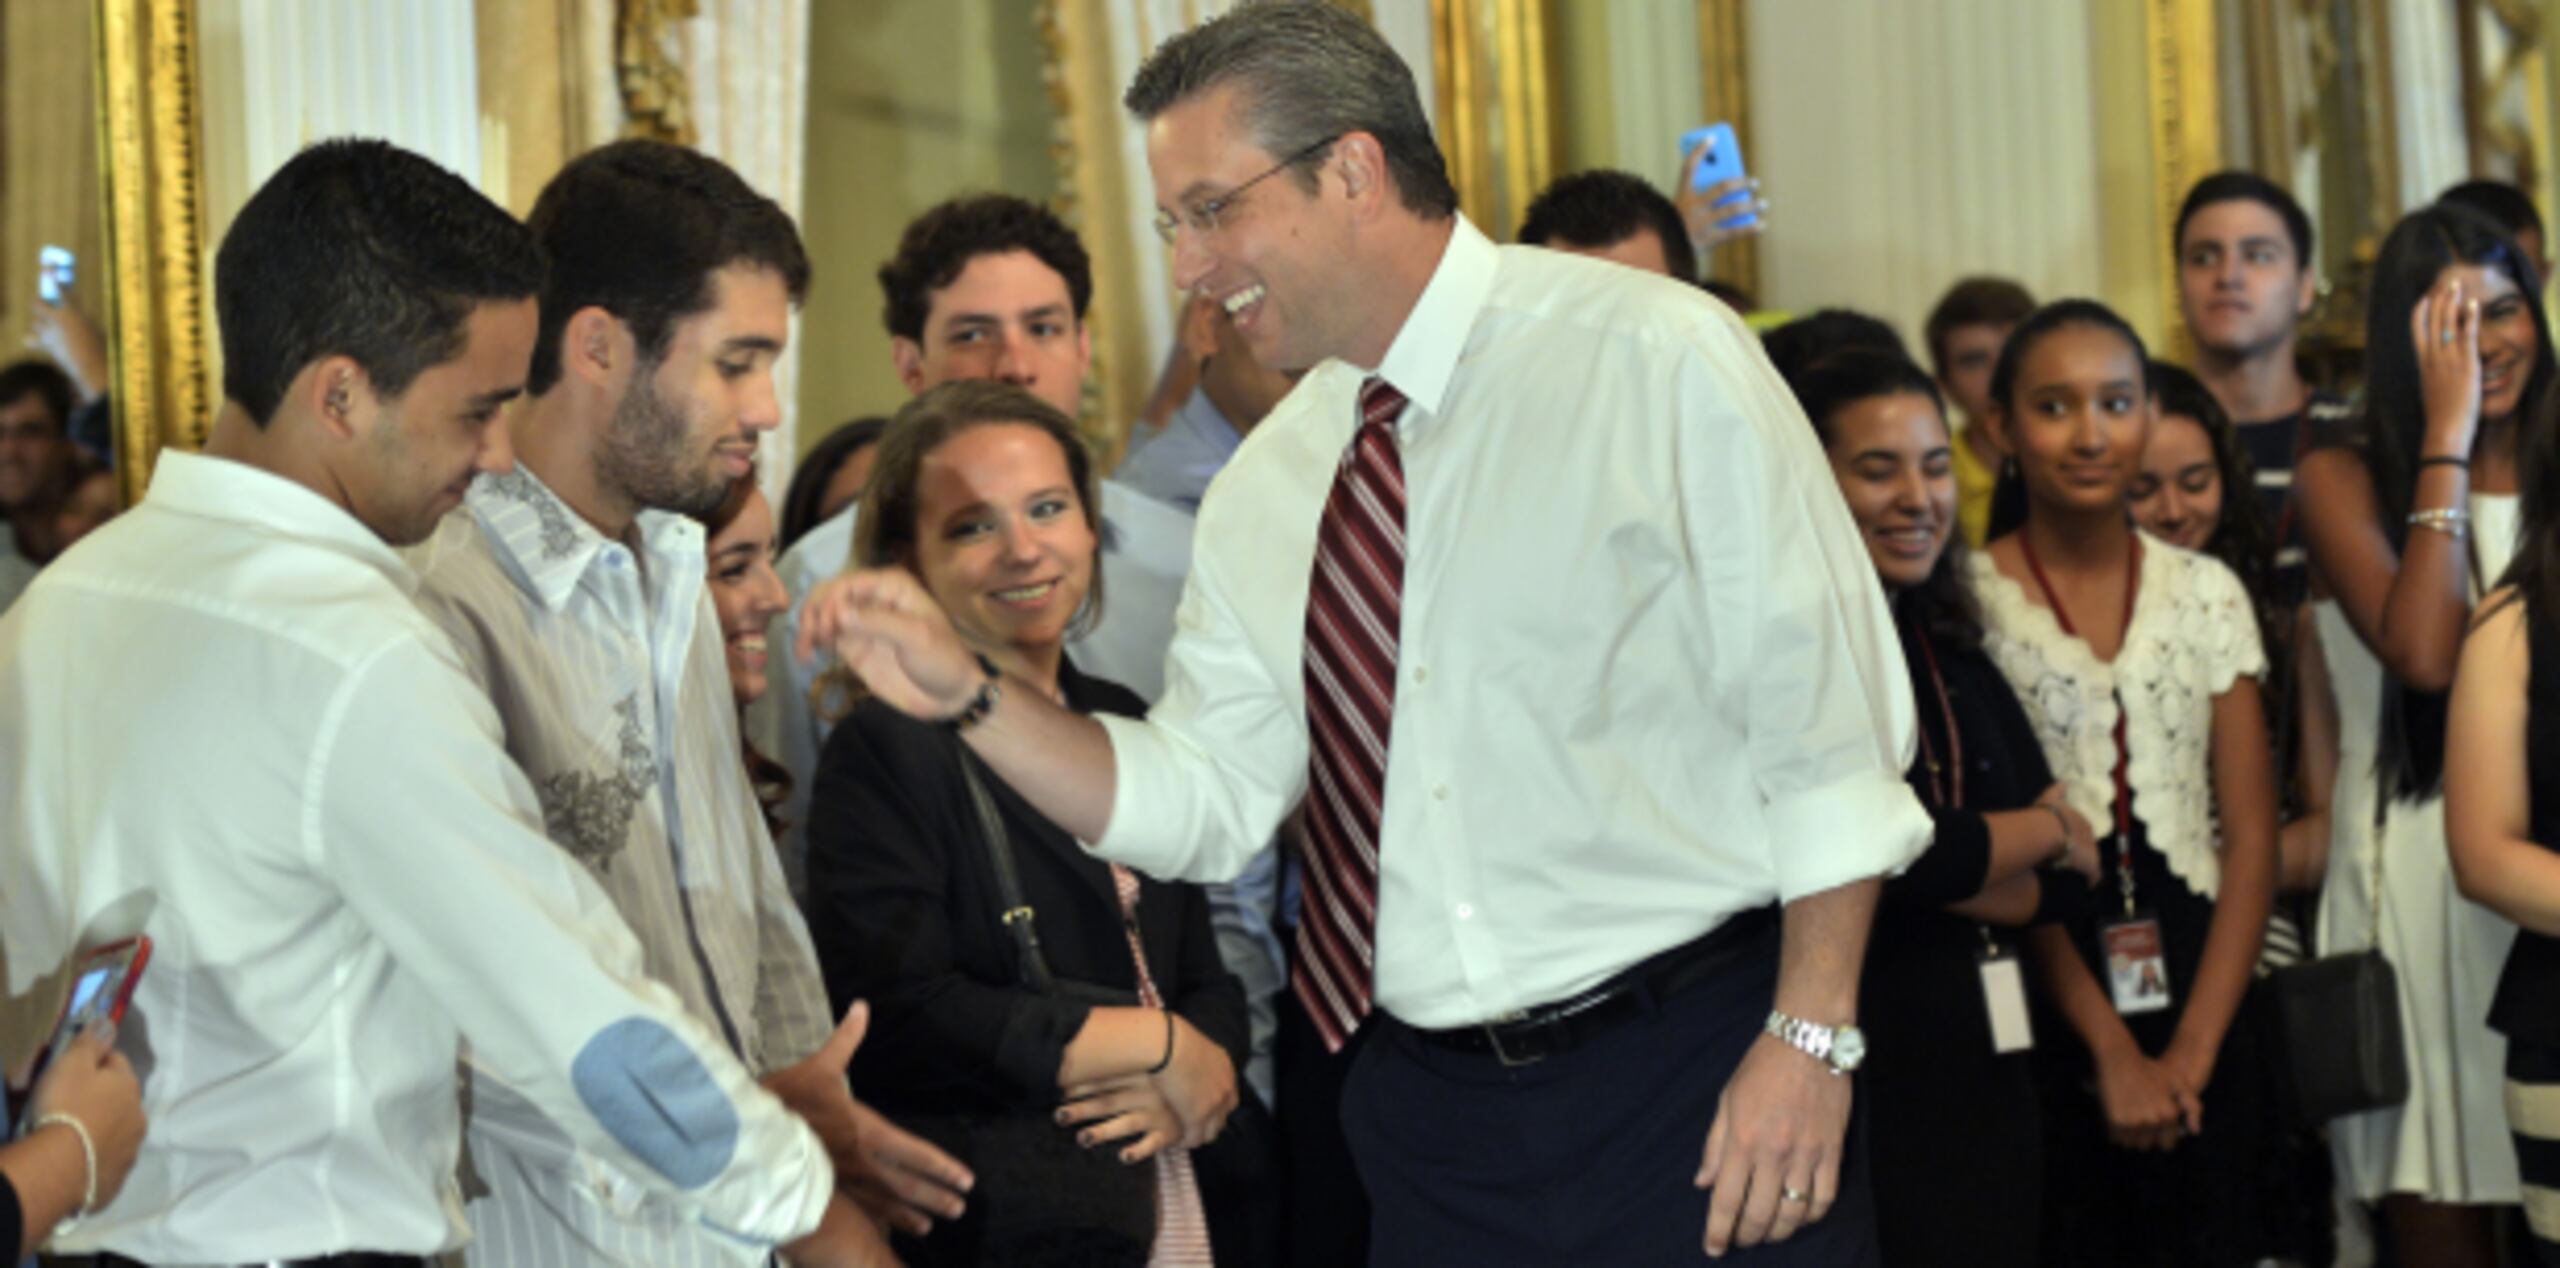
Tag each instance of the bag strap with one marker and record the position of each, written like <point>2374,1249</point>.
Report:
<point>1021,924</point>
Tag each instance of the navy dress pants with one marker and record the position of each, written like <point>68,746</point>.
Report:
<point>1583,1158</point>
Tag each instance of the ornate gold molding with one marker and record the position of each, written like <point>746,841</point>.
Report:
<point>657,97</point>
<point>155,230</point>
<point>1490,76</point>
<point>2186,130</point>
<point>1724,63</point>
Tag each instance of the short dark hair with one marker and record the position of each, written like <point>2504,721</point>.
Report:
<point>1605,207</point>
<point>362,249</point>
<point>1807,339</point>
<point>36,376</point>
<point>939,244</point>
<point>2237,186</point>
<point>2511,207</point>
<point>1975,301</point>
<point>806,498</point>
<point>637,228</point>
<point>1309,72</point>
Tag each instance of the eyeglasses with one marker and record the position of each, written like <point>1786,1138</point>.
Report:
<point>1205,217</point>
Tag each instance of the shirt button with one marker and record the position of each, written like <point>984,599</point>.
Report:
<point>1466,911</point>
<point>1422,673</point>
<point>1440,791</point>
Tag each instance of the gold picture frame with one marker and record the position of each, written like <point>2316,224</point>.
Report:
<point>149,156</point>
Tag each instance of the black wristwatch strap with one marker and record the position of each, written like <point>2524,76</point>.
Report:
<point>983,703</point>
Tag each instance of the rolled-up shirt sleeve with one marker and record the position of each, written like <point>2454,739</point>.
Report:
<point>433,836</point>
<point>1827,700</point>
<point>1203,781</point>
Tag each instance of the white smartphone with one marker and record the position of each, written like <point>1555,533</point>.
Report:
<point>54,268</point>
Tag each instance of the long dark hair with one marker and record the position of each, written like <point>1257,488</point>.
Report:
<point>2389,432</point>
<point>2241,537</point>
<point>804,503</point>
<point>2009,497</point>
<point>1942,605</point>
<point>770,779</point>
<point>2421,247</point>
<point>2534,572</point>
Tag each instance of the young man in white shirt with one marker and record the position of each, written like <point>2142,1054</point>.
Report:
<point>574,587</point>
<point>224,711</point>
<point>1609,692</point>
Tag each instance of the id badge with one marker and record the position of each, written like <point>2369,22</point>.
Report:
<point>2137,968</point>
<point>2004,997</point>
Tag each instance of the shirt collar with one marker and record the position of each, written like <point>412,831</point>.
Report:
<point>1424,355</point>
<point>552,546</point>
<point>224,489</point>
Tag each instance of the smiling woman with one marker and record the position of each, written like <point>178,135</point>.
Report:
<point>1049,1062</point>
<point>1959,1098</point>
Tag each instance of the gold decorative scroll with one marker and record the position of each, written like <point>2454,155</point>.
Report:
<point>2186,135</point>
<point>1092,197</point>
<point>2506,108</point>
<point>1724,63</point>
<point>656,95</point>
<point>155,230</point>
<point>1489,59</point>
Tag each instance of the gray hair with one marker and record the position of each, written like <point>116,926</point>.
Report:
<point>1308,72</point>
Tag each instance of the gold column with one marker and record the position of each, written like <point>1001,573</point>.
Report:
<point>155,231</point>
<point>1724,62</point>
<point>1490,72</point>
<point>2186,130</point>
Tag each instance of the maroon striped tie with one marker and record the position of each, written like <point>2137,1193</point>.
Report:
<point>1354,604</point>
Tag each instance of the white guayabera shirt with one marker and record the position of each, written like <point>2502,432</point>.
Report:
<point>227,699</point>
<point>610,676</point>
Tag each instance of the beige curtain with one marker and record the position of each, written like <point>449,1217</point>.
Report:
<point>48,160</point>
<point>1902,146</point>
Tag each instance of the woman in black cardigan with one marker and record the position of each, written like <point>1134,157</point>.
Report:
<point>1952,1116</point>
<point>986,494</point>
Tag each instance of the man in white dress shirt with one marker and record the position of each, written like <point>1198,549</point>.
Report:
<point>574,587</point>
<point>1539,581</point>
<point>224,706</point>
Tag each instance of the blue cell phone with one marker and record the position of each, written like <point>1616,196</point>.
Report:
<point>1723,163</point>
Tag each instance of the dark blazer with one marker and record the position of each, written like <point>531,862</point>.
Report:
<point>903,909</point>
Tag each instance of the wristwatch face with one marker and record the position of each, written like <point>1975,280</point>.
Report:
<point>1848,1047</point>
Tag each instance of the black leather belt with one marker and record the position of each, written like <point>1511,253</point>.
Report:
<point>1532,1035</point>
<point>347,1259</point>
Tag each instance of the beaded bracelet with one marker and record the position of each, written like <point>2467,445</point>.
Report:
<point>88,1155</point>
<point>983,703</point>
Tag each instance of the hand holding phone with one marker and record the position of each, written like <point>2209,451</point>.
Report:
<point>92,1084</point>
<point>54,269</point>
<point>1717,197</point>
<point>101,988</point>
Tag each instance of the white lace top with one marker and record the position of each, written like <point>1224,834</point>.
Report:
<point>2192,636</point>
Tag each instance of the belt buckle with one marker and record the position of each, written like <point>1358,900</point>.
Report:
<point>1527,1055</point>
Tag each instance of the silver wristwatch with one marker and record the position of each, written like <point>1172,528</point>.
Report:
<point>1839,1048</point>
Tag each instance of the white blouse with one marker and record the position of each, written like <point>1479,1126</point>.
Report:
<point>2193,635</point>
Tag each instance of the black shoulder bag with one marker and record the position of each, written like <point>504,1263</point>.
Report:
<point>1040,1198</point>
<point>2338,1019</point>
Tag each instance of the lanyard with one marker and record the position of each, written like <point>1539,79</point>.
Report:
<point>1945,793</point>
<point>2124,791</point>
